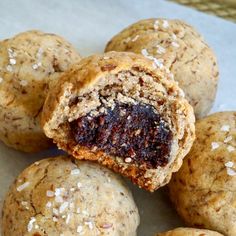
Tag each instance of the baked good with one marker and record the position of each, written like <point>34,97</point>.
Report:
<point>203,191</point>
<point>29,62</point>
<point>182,51</point>
<point>120,110</point>
<point>189,232</point>
<point>63,196</point>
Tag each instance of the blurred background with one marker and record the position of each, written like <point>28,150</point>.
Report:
<point>222,8</point>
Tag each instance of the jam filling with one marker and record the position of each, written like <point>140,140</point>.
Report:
<point>131,131</point>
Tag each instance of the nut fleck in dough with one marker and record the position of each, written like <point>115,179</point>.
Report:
<point>189,232</point>
<point>203,190</point>
<point>122,111</point>
<point>183,52</point>
<point>62,196</point>
<point>29,62</point>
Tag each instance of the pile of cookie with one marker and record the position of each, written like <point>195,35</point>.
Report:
<point>131,111</point>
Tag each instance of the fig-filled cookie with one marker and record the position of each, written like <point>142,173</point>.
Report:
<point>61,196</point>
<point>29,63</point>
<point>204,189</point>
<point>119,109</point>
<point>181,50</point>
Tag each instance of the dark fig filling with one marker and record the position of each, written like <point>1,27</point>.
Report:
<point>131,131</point>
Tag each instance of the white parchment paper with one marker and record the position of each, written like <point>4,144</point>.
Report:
<point>89,25</point>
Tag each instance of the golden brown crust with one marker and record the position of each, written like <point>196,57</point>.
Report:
<point>181,49</point>
<point>82,78</point>
<point>189,232</point>
<point>203,190</point>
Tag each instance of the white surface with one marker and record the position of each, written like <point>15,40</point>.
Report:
<point>89,25</point>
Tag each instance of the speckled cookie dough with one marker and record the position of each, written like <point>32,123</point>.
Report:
<point>203,191</point>
<point>122,111</point>
<point>189,232</point>
<point>29,63</point>
<point>179,49</point>
<point>61,196</point>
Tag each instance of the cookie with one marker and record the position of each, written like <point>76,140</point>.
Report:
<point>63,196</point>
<point>203,191</point>
<point>29,63</point>
<point>122,111</point>
<point>189,232</point>
<point>181,50</point>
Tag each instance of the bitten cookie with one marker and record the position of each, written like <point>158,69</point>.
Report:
<point>189,232</point>
<point>29,62</point>
<point>122,111</point>
<point>203,190</point>
<point>183,52</point>
<point>63,196</point>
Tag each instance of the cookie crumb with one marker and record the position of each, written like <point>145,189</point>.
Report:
<point>55,211</point>
<point>128,160</point>
<point>58,199</point>
<point>160,49</point>
<point>49,193</point>
<point>63,207</point>
<point>1,80</point>
<point>230,148</point>
<point>79,229</point>
<point>31,224</point>
<point>89,224</point>
<point>22,187</point>
<point>174,44</point>
<point>25,204</point>
<point>135,38</point>
<point>225,128</point>
<point>156,25</point>
<point>165,24</point>
<point>75,172</point>
<point>214,145</point>
<point>230,171</point>
<point>9,68</point>
<point>174,36</point>
<point>144,52</point>
<point>68,219</point>
<point>23,82</point>
<point>106,226</point>
<point>12,61</point>
<point>35,66</point>
<point>229,164</point>
<point>127,40</point>
<point>49,204</point>
<point>227,139</point>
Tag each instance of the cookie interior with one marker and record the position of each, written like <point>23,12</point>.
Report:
<point>133,131</point>
<point>122,116</point>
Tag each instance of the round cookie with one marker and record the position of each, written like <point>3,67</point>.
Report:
<point>203,191</point>
<point>189,232</point>
<point>122,111</point>
<point>62,196</point>
<point>183,52</point>
<point>29,62</point>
